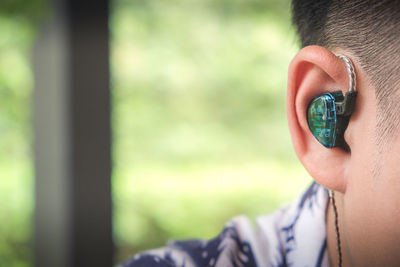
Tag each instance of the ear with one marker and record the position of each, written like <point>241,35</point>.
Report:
<point>314,71</point>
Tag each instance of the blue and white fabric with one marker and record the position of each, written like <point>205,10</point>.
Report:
<point>292,236</point>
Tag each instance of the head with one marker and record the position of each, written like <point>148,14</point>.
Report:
<point>367,176</point>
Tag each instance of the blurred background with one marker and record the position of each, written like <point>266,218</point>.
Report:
<point>198,119</point>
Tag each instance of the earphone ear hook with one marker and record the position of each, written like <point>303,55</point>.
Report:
<point>346,107</point>
<point>350,71</point>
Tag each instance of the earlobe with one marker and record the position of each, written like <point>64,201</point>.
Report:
<point>313,72</point>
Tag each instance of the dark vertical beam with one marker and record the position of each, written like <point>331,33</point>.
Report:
<point>72,141</point>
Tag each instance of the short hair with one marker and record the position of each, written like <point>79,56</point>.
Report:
<point>371,31</point>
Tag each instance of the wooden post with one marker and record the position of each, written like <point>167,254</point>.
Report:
<point>72,137</point>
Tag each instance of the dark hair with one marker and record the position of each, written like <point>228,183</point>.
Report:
<point>371,31</point>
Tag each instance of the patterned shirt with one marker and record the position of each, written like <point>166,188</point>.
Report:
<point>292,236</point>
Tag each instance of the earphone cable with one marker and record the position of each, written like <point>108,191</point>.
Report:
<point>338,243</point>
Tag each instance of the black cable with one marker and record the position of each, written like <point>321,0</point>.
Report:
<point>339,247</point>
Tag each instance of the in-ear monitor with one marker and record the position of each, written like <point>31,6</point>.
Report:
<point>328,114</point>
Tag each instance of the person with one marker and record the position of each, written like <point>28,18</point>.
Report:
<point>357,223</point>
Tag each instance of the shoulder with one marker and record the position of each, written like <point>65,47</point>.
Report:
<point>293,235</point>
<point>149,260</point>
<point>236,245</point>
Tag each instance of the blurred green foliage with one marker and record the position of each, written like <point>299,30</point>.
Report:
<point>16,178</point>
<point>18,19</point>
<point>199,119</point>
<point>27,10</point>
<point>199,125</point>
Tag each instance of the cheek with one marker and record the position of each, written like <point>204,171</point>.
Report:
<point>372,205</point>
<point>371,227</point>
<point>361,138</point>
<point>387,185</point>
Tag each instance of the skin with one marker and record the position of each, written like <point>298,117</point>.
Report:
<point>368,204</point>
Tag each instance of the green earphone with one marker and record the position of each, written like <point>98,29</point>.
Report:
<point>328,114</point>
